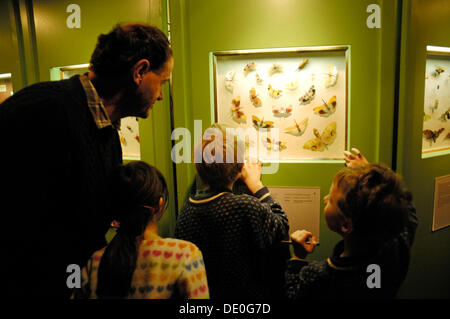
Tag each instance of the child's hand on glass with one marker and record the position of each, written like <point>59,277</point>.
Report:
<point>354,159</point>
<point>251,175</point>
<point>303,242</point>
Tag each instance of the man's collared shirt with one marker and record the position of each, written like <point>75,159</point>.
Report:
<point>96,106</point>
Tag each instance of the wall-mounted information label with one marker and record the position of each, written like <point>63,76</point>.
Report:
<point>301,205</point>
<point>441,214</point>
<point>2,87</point>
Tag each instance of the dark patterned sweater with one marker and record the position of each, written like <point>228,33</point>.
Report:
<point>54,167</point>
<point>237,235</point>
<point>346,277</point>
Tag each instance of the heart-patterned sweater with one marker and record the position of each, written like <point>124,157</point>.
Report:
<point>165,267</point>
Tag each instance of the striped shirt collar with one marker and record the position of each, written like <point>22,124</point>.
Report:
<point>96,106</point>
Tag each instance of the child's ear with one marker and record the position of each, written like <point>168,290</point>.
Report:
<point>347,227</point>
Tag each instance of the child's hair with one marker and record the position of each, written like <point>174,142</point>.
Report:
<point>133,185</point>
<point>216,170</point>
<point>374,199</point>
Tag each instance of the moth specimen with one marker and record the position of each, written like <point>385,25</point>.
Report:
<point>326,109</point>
<point>292,85</point>
<point>261,123</point>
<point>249,67</point>
<point>332,76</point>
<point>229,78</point>
<point>259,80</point>
<point>446,116</point>
<point>321,141</point>
<point>308,96</point>
<point>298,129</point>
<point>274,68</point>
<point>274,93</point>
<point>236,110</point>
<point>273,145</point>
<point>254,98</point>
<point>302,64</point>
<point>282,111</point>
<point>432,135</point>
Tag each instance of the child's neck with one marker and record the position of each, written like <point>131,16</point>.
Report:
<point>151,232</point>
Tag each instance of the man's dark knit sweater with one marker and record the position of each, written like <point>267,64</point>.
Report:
<point>54,167</point>
<point>236,234</point>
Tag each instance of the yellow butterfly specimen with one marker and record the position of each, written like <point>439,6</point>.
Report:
<point>259,80</point>
<point>274,145</point>
<point>274,93</point>
<point>274,68</point>
<point>254,98</point>
<point>332,76</point>
<point>123,140</point>
<point>321,141</point>
<point>326,109</point>
<point>302,64</point>
<point>249,67</point>
<point>308,96</point>
<point>261,123</point>
<point>430,134</point>
<point>426,117</point>
<point>298,129</point>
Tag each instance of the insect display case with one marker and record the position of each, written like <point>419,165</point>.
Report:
<point>6,89</point>
<point>129,126</point>
<point>436,110</point>
<point>295,100</point>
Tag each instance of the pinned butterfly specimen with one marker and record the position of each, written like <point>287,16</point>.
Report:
<point>438,70</point>
<point>129,128</point>
<point>229,78</point>
<point>302,64</point>
<point>326,109</point>
<point>282,111</point>
<point>426,117</point>
<point>309,96</point>
<point>254,98</point>
<point>123,140</point>
<point>274,68</point>
<point>292,85</point>
<point>435,106</point>
<point>249,67</point>
<point>446,115</point>
<point>448,135</point>
<point>432,135</point>
<point>332,76</point>
<point>321,141</point>
<point>137,138</point>
<point>238,115</point>
<point>261,123</point>
<point>298,129</point>
<point>274,93</point>
<point>273,145</point>
<point>258,79</point>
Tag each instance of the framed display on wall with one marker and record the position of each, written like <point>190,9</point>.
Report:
<point>129,126</point>
<point>436,109</point>
<point>291,103</point>
<point>6,88</point>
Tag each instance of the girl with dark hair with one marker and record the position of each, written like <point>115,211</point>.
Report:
<point>138,263</point>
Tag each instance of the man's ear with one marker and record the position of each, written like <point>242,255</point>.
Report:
<point>139,69</point>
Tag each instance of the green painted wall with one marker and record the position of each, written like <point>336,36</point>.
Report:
<point>199,27</point>
<point>425,23</point>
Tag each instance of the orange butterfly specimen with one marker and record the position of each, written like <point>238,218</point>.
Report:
<point>282,111</point>
<point>326,109</point>
<point>273,145</point>
<point>261,123</point>
<point>274,68</point>
<point>308,96</point>
<point>238,115</point>
<point>254,98</point>
<point>274,93</point>
<point>430,134</point>
<point>321,141</point>
<point>298,129</point>
<point>123,140</point>
<point>302,64</point>
<point>249,67</point>
<point>137,138</point>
